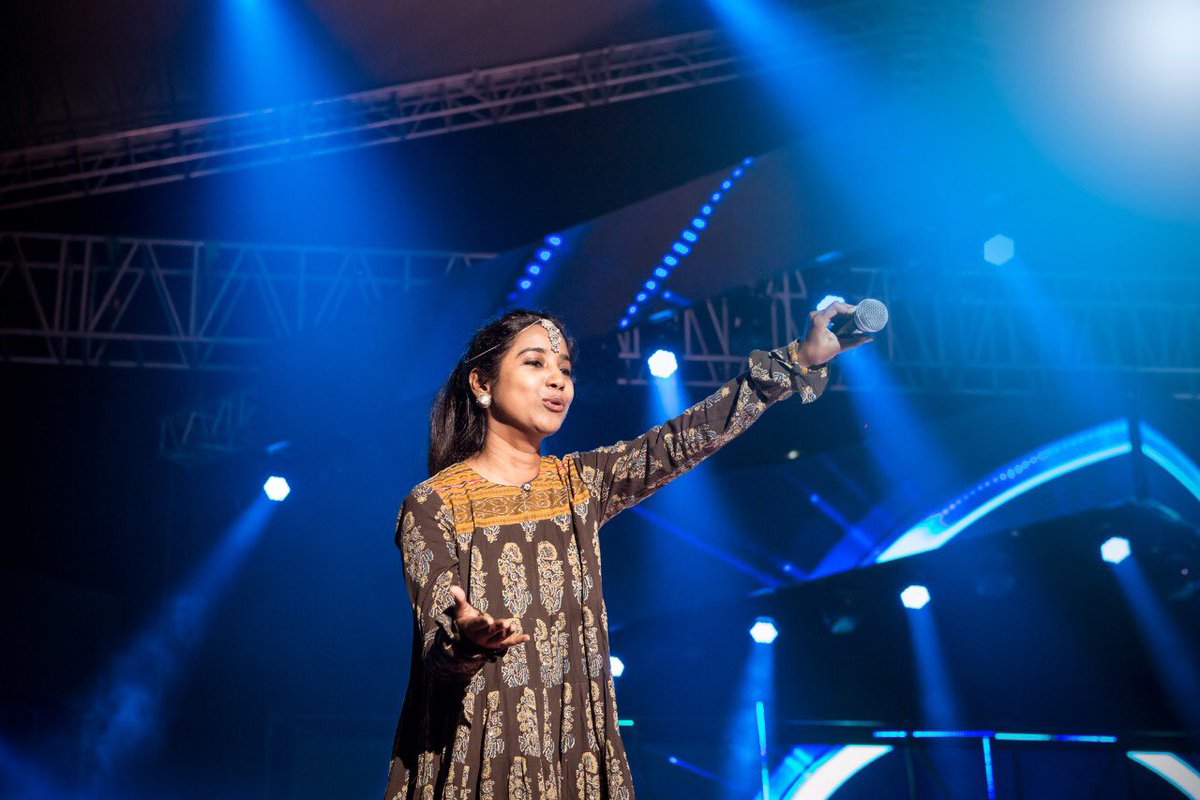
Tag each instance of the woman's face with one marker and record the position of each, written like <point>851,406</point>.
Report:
<point>534,388</point>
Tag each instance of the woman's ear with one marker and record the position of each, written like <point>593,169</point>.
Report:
<point>476,385</point>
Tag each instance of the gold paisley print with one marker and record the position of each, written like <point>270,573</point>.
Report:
<point>417,556</point>
<point>493,734</point>
<point>517,596</point>
<point>514,668</point>
<point>587,778</point>
<point>528,736</point>
<point>550,577</point>
<point>478,591</point>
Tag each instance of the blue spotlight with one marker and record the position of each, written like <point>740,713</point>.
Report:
<point>631,310</point>
<point>624,323</point>
<point>681,248</point>
<point>277,488</point>
<point>737,172</point>
<point>662,363</point>
<point>544,255</point>
<point>915,597</point>
<point>553,240</point>
<point>1115,550</point>
<point>699,224</point>
<point>706,210</point>
<point>763,630</point>
<point>533,269</point>
<point>715,197</point>
<point>618,666</point>
<point>641,297</point>
<point>689,236</point>
<point>998,250</point>
<point>726,185</point>
<point>670,261</point>
<point>661,272</point>
<point>651,285</point>
<point>524,283</point>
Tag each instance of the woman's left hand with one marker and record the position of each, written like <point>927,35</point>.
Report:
<point>819,343</point>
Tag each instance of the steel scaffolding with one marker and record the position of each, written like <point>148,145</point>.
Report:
<point>169,304</point>
<point>145,156</point>
<point>983,334</point>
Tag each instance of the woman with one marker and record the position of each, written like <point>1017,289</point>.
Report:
<point>511,693</point>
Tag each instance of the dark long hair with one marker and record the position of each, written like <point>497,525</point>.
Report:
<point>457,424</point>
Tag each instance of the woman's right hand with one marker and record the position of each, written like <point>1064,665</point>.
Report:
<point>480,628</point>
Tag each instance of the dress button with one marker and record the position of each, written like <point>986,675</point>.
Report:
<point>527,487</point>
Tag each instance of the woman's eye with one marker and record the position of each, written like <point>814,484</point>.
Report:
<point>566,372</point>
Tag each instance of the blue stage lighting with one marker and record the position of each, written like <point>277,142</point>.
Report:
<point>618,666</point>
<point>641,297</point>
<point>715,197</point>
<point>524,283</point>
<point>706,210</point>
<point>651,285</point>
<point>662,363</point>
<point>726,185</point>
<point>998,250</point>
<point>763,630</point>
<point>681,248</point>
<point>553,240</point>
<point>661,272</point>
<point>737,172</point>
<point>747,161</point>
<point>915,597</point>
<point>533,269</point>
<point>277,488</point>
<point>624,323</point>
<point>1115,550</point>
<point>631,310</point>
<point>689,236</point>
<point>699,223</point>
<point>829,300</point>
<point>544,255</point>
<point>670,261</point>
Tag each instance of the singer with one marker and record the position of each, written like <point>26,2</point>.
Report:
<point>511,693</point>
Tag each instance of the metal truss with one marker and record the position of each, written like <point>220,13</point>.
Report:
<point>131,159</point>
<point>191,305</point>
<point>962,331</point>
<point>206,432</point>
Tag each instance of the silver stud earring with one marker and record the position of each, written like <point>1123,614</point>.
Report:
<point>484,399</point>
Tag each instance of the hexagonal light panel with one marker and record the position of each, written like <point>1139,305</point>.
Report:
<point>998,250</point>
<point>277,488</point>
<point>763,630</point>
<point>1115,550</point>
<point>915,597</point>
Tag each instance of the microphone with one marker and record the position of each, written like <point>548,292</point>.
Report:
<point>869,317</point>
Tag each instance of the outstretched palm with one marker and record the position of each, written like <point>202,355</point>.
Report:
<point>481,628</point>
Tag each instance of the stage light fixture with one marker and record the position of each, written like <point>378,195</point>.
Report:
<point>277,488</point>
<point>915,597</point>
<point>998,250</point>
<point>618,666</point>
<point>763,630</point>
<point>662,363</point>
<point>1115,550</point>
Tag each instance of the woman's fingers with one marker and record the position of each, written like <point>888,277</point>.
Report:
<point>825,316</point>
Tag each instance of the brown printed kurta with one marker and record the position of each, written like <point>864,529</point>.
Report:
<point>540,721</point>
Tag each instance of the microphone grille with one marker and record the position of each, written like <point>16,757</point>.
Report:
<point>870,315</point>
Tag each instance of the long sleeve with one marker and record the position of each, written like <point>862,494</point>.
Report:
<point>627,472</point>
<point>425,536</point>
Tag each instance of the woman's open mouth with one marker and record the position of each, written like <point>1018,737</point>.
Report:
<point>558,406</point>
